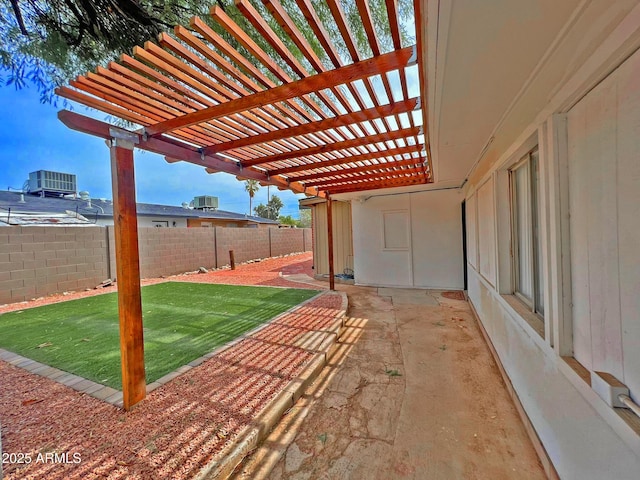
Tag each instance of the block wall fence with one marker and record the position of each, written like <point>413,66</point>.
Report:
<point>39,261</point>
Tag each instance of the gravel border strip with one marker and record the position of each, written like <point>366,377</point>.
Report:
<point>113,396</point>
<point>224,463</point>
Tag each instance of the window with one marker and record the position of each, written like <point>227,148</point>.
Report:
<point>526,238</point>
<point>160,223</point>
<point>472,242</point>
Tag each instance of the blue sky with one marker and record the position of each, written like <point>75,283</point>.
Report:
<point>32,138</point>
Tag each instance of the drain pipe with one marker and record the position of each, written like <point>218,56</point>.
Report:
<point>629,403</point>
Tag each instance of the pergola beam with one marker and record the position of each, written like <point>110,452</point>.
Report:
<point>382,176</point>
<point>352,159</point>
<point>413,162</point>
<point>369,114</point>
<point>332,277</point>
<point>394,60</point>
<point>376,185</point>
<point>178,151</point>
<point>332,147</point>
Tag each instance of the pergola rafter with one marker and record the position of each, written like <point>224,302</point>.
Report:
<point>346,172</point>
<point>355,71</point>
<point>381,175</point>
<point>318,126</point>
<point>268,108</point>
<point>332,147</point>
<point>346,160</point>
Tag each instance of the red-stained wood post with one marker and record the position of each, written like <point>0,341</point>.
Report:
<point>332,280</point>
<point>134,387</point>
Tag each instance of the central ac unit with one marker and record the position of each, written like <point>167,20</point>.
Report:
<point>205,202</point>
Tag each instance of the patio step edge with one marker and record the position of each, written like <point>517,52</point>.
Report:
<point>224,464</point>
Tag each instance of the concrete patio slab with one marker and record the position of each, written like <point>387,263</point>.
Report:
<point>412,392</point>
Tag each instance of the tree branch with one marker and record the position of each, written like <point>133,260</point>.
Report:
<point>18,13</point>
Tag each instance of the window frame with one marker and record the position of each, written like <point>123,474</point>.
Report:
<point>535,304</point>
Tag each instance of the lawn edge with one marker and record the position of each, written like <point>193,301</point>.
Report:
<point>222,465</point>
<point>114,396</point>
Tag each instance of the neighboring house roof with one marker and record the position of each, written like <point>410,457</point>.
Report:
<point>100,208</point>
<point>42,219</point>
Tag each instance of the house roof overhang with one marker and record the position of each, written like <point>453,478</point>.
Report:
<point>339,123</point>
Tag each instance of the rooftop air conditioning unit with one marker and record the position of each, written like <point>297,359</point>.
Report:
<point>53,182</point>
<point>205,202</point>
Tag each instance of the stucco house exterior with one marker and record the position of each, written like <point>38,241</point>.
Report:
<point>534,129</point>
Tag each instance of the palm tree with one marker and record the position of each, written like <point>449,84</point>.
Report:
<point>251,186</point>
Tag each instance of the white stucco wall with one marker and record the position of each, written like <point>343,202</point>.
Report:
<point>583,437</point>
<point>424,252</point>
<point>588,191</point>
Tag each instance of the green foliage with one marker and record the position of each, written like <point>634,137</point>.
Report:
<point>48,43</point>
<point>182,322</point>
<point>303,222</point>
<point>288,220</point>
<point>271,210</point>
<point>251,187</point>
<point>305,218</point>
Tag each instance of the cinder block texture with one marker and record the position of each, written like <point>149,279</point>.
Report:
<point>46,260</point>
<point>286,240</point>
<point>39,261</point>
<point>246,243</point>
<point>167,251</point>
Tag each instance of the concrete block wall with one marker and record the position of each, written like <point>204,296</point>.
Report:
<point>246,243</point>
<point>286,240</point>
<point>167,251</point>
<point>38,261</point>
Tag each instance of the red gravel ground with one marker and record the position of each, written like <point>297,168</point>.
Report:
<point>266,272</point>
<point>181,425</point>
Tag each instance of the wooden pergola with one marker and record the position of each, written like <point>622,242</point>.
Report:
<point>313,126</point>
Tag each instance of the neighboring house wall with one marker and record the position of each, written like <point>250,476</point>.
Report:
<point>39,261</point>
<point>180,222</point>
<point>216,222</point>
<point>342,238</point>
<point>583,255</point>
<point>161,222</point>
<point>147,221</point>
<point>409,240</point>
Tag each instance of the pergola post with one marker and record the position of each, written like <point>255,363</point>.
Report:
<point>127,268</point>
<point>332,281</point>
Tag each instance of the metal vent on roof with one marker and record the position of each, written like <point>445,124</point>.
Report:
<point>205,202</point>
<point>52,182</point>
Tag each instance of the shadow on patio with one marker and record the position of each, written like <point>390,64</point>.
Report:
<point>412,392</point>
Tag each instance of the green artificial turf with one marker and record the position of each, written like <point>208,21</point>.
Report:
<point>182,321</point>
